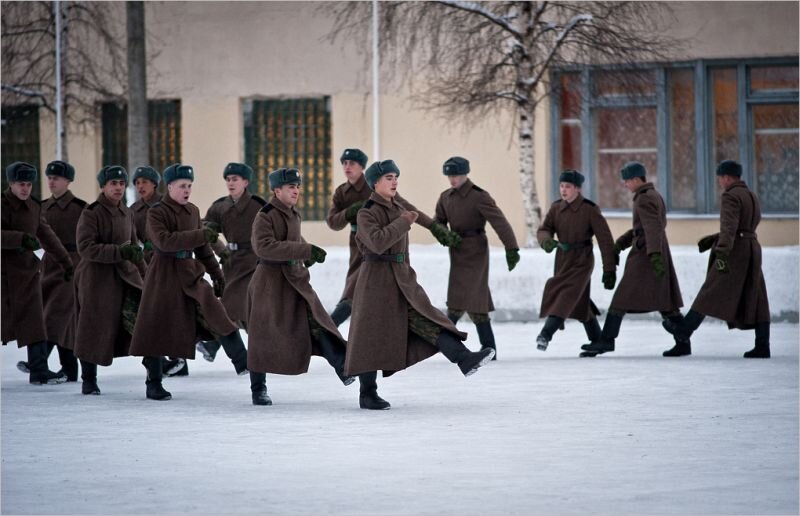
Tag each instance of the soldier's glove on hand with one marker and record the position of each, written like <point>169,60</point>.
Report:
<point>441,233</point>
<point>318,254</point>
<point>131,253</point>
<point>721,263</point>
<point>30,242</point>
<point>453,239</point>
<point>309,263</point>
<point>609,280</point>
<point>549,244</point>
<point>148,246</point>
<point>658,264</point>
<point>219,286</point>
<point>512,258</point>
<point>617,251</point>
<point>69,272</point>
<point>352,211</point>
<point>213,225</point>
<point>706,243</point>
<point>210,235</point>
<point>224,256</point>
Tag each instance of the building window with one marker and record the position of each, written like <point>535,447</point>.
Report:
<point>680,121</point>
<point>291,133</point>
<point>20,140</point>
<point>164,120</point>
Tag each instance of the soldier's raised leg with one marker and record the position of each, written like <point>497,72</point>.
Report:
<point>761,349</point>
<point>89,378</point>
<point>368,393</point>
<point>608,335</point>
<point>342,311</point>
<point>258,388</point>
<point>485,334</point>
<point>551,326</point>
<point>155,391</point>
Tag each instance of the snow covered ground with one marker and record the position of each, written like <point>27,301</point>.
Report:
<point>533,433</point>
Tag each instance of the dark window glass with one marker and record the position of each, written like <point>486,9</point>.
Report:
<point>725,139</point>
<point>570,121</point>
<point>20,141</point>
<point>773,78</point>
<point>624,83</point>
<point>775,143</point>
<point>682,145</point>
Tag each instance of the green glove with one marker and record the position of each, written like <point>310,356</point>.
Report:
<point>213,225</point>
<point>309,263</point>
<point>224,256</point>
<point>512,258</point>
<point>148,246</point>
<point>131,253</point>
<point>219,286</point>
<point>69,272</point>
<point>453,239</point>
<point>318,254</point>
<point>658,264</point>
<point>30,242</point>
<point>609,280</point>
<point>706,243</point>
<point>721,263</point>
<point>352,211</point>
<point>210,235</point>
<point>440,233</point>
<point>549,244</point>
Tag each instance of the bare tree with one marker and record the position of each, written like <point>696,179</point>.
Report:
<point>93,57</point>
<point>475,58</point>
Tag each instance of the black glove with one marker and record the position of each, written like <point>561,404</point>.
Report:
<point>131,253</point>
<point>318,254</point>
<point>706,243</point>
<point>352,211</point>
<point>224,256</point>
<point>512,258</point>
<point>658,264</point>
<point>609,280</point>
<point>210,235</point>
<point>30,242</point>
<point>219,286</point>
<point>69,272</point>
<point>549,244</point>
<point>721,262</point>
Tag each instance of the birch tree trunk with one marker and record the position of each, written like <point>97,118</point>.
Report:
<point>527,179</point>
<point>138,141</point>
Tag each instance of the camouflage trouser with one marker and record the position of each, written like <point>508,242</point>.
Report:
<point>130,307</point>
<point>423,327</point>
<point>476,317</point>
<point>313,325</point>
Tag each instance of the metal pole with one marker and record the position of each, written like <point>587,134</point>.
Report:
<point>376,117</point>
<point>59,93</point>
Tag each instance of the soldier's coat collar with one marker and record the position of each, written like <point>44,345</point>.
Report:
<point>109,205</point>
<point>378,199</point>
<point>283,207</point>
<point>462,190</point>
<point>154,199</point>
<point>574,205</point>
<point>357,186</point>
<point>16,202</point>
<point>243,201</point>
<point>169,201</point>
<point>63,201</point>
<point>642,189</point>
<point>735,185</point>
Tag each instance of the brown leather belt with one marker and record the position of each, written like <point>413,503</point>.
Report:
<point>471,233</point>
<point>746,234</point>
<point>391,258</point>
<point>278,263</point>
<point>183,254</point>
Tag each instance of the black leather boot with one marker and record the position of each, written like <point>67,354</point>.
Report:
<point>368,398</point>
<point>175,367</point>
<point>69,364</point>
<point>486,336</point>
<point>605,343</point>
<point>89,377</point>
<point>335,355</point>
<point>233,346</point>
<point>208,348</point>
<point>454,317</point>
<point>37,364</point>
<point>342,311</point>
<point>683,327</point>
<point>551,326</point>
<point>683,346</point>
<point>456,352</point>
<point>762,342</point>
<point>155,391</point>
<point>258,387</point>
<point>592,329</point>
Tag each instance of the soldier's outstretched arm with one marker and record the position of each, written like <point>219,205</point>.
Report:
<point>87,236</point>
<point>337,218</point>
<point>489,209</point>
<point>423,220</point>
<point>267,246</point>
<point>171,241</point>
<point>649,214</point>
<point>729,214</point>
<point>52,244</point>
<point>605,240</point>
<point>376,238</point>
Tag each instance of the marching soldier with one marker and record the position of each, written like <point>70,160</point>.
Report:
<point>25,230</point>
<point>108,280</point>
<point>233,217</point>
<point>734,290</point>
<point>574,220</point>
<point>174,287</point>
<point>394,323</point>
<point>466,208</point>
<point>348,198</point>
<point>287,322</point>
<point>649,281</point>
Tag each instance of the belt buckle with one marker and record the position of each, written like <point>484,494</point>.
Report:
<point>398,258</point>
<point>353,228</point>
<point>233,246</point>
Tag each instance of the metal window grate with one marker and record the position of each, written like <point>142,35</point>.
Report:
<point>20,141</point>
<point>291,133</point>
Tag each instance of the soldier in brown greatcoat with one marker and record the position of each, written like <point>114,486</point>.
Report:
<point>734,290</point>
<point>466,208</point>
<point>108,281</point>
<point>394,323</point>
<point>175,288</point>
<point>574,220</point>
<point>61,211</point>
<point>348,198</point>
<point>649,282</point>
<point>287,322</point>
<point>233,217</point>
<point>23,228</point>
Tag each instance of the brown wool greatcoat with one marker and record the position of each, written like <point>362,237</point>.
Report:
<point>236,220</point>
<point>566,294</point>
<point>175,289</point>
<point>343,197</point>
<point>640,290</point>
<point>467,209</point>
<point>140,209</point>
<point>379,335</point>
<point>740,296</point>
<point>280,296</point>
<point>101,281</point>
<point>22,310</point>
<point>58,295</point>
